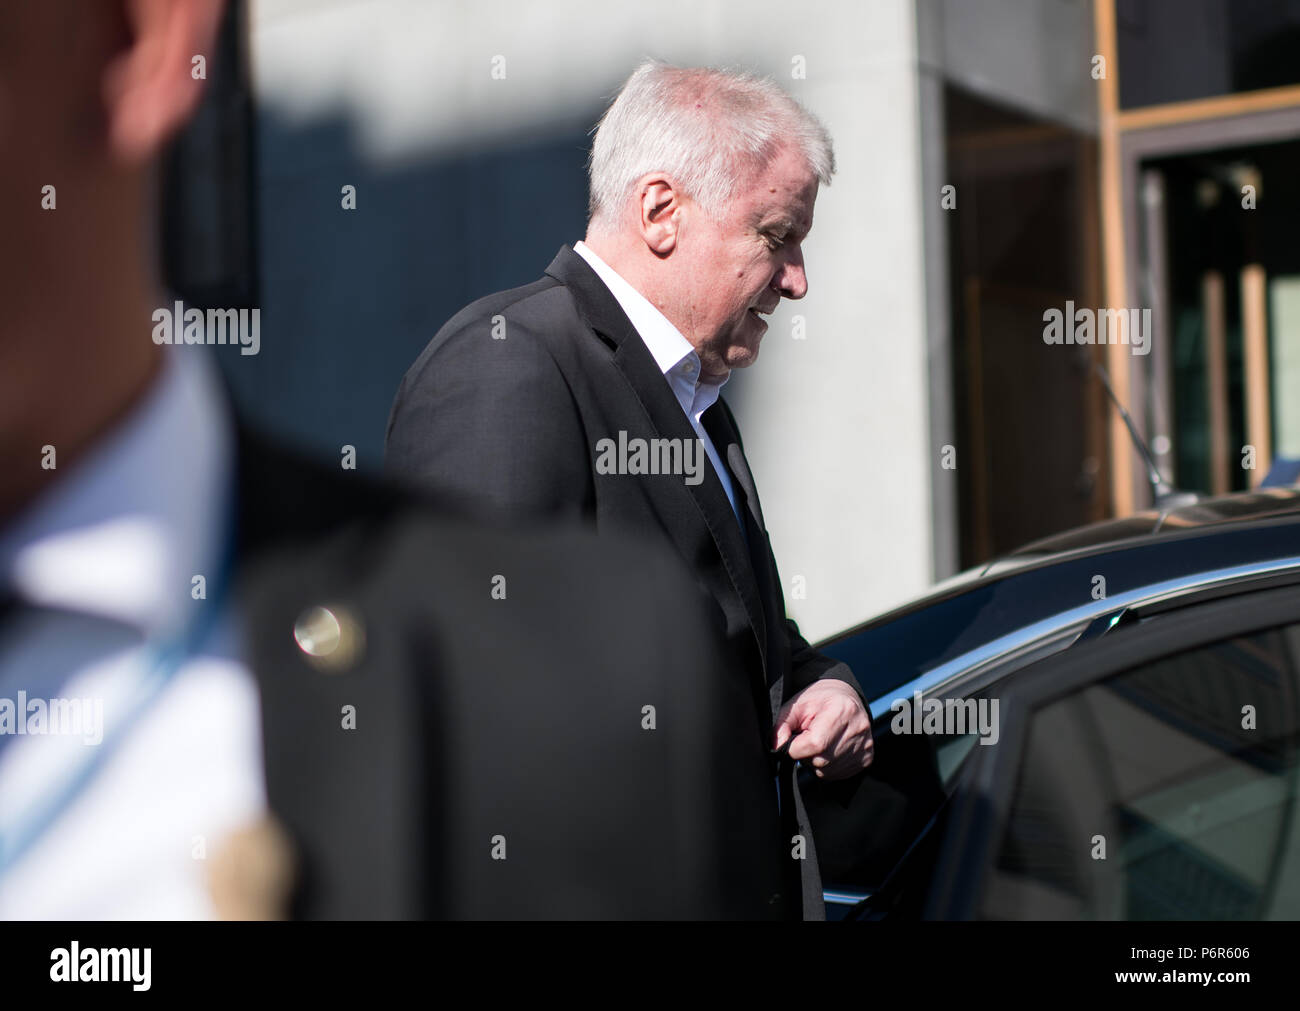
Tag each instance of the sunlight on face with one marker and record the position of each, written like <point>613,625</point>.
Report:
<point>746,262</point>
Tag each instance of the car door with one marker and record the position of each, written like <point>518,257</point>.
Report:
<point>1149,775</point>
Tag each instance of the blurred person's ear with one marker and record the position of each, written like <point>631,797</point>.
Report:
<point>151,84</point>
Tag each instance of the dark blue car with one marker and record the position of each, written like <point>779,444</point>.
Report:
<point>1102,725</point>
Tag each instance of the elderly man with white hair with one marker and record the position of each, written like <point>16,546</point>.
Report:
<point>593,394</point>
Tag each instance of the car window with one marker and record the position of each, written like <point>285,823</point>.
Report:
<point>951,753</point>
<point>866,828</point>
<point>863,826</point>
<point>1168,791</point>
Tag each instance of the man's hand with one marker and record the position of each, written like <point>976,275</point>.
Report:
<point>834,729</point>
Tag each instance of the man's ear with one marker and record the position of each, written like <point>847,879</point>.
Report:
<point>660,210</point>
<point>151,86</point>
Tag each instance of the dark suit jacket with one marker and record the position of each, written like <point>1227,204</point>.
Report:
<point>484,722</point>
<point>504,410</point>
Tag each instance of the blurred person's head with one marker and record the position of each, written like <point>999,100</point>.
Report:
<point>90,93</point>
<point>702,190</point>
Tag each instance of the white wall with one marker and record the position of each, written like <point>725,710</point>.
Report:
<point>836,425</point>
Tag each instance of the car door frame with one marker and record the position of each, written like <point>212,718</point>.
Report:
<point>984,797</point>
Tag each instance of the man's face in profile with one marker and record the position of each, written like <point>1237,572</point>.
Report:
<point>746,262</point>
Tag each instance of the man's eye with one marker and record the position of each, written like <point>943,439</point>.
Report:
<point>774,242</point>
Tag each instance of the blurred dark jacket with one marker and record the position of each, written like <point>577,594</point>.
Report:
<point>503,763</point>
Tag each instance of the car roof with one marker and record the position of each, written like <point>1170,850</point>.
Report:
<point>1054,581</point>
<point>1238,508</point>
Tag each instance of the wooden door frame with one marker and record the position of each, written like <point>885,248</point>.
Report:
<point>1126,138</point>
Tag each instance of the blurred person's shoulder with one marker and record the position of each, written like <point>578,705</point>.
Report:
<point>290,504</point>
<point>309,532</point>
<point>504,684</point>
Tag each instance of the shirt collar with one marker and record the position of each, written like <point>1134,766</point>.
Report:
<point>123,534</point>
<point>672,352</point>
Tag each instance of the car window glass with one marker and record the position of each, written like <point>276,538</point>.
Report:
<point>951,754</point>
<point>1165,792</point>
<point>865,828</point>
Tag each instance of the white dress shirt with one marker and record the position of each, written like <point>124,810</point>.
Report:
<point>103,564</point>
<point>674,355</point>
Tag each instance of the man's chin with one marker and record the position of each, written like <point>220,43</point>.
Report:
<point>738,353</point>
<point>743,356</point>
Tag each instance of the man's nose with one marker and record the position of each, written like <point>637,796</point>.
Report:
<point>792,281</point>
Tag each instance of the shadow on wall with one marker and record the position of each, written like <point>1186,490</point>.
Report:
<point>349,298</point>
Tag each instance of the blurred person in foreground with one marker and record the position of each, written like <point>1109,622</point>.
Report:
<point>235,684</point>
<point>702,186</point>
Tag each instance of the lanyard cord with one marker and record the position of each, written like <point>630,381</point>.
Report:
<point>162,662</point>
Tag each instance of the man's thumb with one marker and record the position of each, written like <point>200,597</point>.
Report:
<point>784,727</point>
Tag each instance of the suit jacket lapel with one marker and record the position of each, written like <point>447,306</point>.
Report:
<point>606,318</point>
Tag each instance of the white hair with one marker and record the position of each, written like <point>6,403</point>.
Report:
<point>708,129</point>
